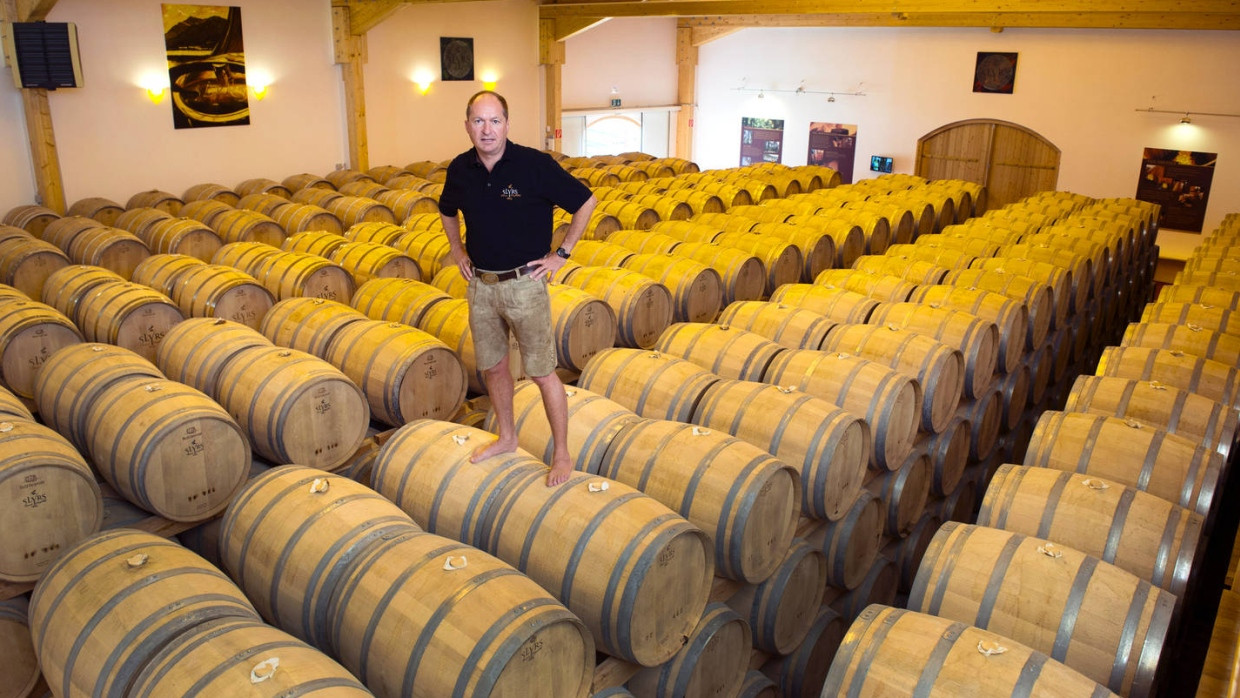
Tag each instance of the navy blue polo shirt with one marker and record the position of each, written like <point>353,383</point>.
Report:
<point>508,210</point>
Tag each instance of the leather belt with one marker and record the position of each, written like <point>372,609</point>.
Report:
<point>494,277</point>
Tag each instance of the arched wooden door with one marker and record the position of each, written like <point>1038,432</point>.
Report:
<point>1009,159</point>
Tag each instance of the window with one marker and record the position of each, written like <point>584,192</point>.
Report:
<point>650,131</point>
<point>613,133</point>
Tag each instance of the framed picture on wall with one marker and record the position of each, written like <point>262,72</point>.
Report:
<point>1179,182</point>
<point>995,72</point>
<point>833,145</point>
<point>762,140</point>
<point>456,58</point>
<point>206,65</point>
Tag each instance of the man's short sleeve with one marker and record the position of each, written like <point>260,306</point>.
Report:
<point>451,197</point>
<point>564,190</point>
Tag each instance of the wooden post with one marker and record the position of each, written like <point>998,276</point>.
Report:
<point>686,89</point>
<point>49,182</point>
<point>350,54</point>
<point>551,55</point>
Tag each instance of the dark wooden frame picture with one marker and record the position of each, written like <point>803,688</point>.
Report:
<point>456,58</point>
<point>995,72</point>
<point>206,65</point>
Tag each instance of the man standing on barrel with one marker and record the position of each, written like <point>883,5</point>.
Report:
<point>507,192</point>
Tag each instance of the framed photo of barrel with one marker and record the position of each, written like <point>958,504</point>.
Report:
<point>206,65</point>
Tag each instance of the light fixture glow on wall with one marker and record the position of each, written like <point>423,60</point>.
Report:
<point>154,84</point>
<point>260,91</point>
<point>1185,120</point>
<point>422,78</point>
<point>489,79</point>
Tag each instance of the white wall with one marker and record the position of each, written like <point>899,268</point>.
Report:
<point>114,142</point>
<point>1077,88</point>
<point>405,125</point>
<point>635,55</point>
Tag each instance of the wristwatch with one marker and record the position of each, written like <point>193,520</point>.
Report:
<point>562,252</point>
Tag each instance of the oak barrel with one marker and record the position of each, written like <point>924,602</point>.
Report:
<point>1158,405</point>
<point>30,333</point>
<point>1146,535</point>
<point>1098,619</point>
<point>405,373</point>
<point>634,572</point>
<point>741,496</point>
<point>892,651</point>
<point>850,544</point>
<point>234,656</point>
<point>295,408</point>
<point>73,377</point>
<point>723,350</point>
<point>1152,460</point>
<point>166,447</point>
<point>49,499</point>
<point>711,662</point>
<point>654,385</point>
<point>889,401</point>
<point>828,446</point>
<point>108,605</point>
<point>938,367</point>
<point>642,306</point>
<point>782,608</point>
<point>1212,379</point>
<point>792,327</point>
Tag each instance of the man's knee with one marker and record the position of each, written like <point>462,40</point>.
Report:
<point>549,380</point>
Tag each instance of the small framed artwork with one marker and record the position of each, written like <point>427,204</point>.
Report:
<point>456,58</point>
<point>995,72</point>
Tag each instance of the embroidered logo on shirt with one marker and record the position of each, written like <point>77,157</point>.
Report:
<point>510,192</point>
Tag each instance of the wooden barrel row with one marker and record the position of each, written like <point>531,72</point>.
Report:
<point>51,502</point>
<point>293,406</point>
<point>212,617</point>
<point>1014,389</point>
<point>404,373</point>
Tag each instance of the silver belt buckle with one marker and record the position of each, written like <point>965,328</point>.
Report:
<point>489,277</point>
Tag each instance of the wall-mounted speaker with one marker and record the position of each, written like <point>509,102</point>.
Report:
<point>43,54</point>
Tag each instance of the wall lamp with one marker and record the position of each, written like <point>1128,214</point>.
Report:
<point>156,94</point>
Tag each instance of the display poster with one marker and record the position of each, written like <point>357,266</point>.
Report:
<point>762,140</point>
<point>206,65</point>
<point>834,146</point>
<point>1179,182</point>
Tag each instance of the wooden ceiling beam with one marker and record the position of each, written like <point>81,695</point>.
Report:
<point>566,27</point>
<point>1074,20</point>
<point>893,6</point>
<point>34,10</point>
<point>1134,14</point>
<point>365,15</point>
<point>703,34</point>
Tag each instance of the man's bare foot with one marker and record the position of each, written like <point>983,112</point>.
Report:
<point>559,474</point>
<point>495,448</point>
